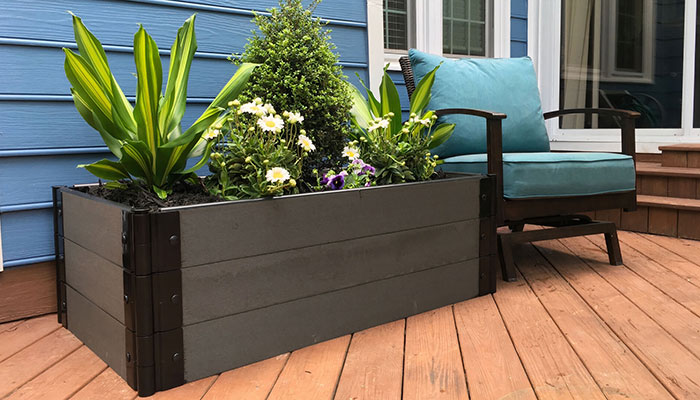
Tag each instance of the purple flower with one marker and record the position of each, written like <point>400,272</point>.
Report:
<point>367,169</point>
<point>368,184</point>
<point>337,182</point>
<point>325,180</point>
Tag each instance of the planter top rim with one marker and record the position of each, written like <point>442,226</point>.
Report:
<point>452,176</point>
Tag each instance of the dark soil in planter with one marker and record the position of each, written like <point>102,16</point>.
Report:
<point>183,194</point>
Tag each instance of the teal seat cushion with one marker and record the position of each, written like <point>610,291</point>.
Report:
<point>533,175</point>
<point>506,85</point>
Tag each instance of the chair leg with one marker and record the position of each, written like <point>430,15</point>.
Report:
<point>613,245</point>
<point>516,227</point>
<point>505,254</point>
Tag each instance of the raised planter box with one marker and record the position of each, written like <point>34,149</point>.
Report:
<point>179,294</point>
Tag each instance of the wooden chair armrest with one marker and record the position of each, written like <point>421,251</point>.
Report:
<point>470,111</point>
<point>494,146</point>
<point>628,117</point>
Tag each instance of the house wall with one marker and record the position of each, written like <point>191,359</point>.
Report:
<point>42,136</point>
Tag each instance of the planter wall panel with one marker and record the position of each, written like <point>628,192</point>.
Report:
<point>180,293</point>
<point>253,282</point>
<point>94,225</point>
<point>220,344</point>
<point>94,277</point>
<point>265,226</point>
<point>99,331</point>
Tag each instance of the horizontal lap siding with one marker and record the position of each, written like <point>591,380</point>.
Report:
<point>43,138</point>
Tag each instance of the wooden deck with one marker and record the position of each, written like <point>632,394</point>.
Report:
<point>571,327</point>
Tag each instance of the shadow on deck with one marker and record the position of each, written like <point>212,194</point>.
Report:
<point>572,326</point>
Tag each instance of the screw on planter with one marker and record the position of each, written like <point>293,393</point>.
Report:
<point>483,236</point>
<point>64,306</point>
<point>173,240</point>
<point>175,299</point>
<point>177,357</point>
<point>61,257</point>
<point>60,212</point>
<point>124,237</point>
<point>128,357</point>
<point>126,298</point>
<point>483,197</point>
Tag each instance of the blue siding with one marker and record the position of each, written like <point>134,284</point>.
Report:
<point>43,138</point>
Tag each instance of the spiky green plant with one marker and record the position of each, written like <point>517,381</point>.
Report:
<point>147,139</point>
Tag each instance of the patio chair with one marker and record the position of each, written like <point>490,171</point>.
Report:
<point>534,185</point>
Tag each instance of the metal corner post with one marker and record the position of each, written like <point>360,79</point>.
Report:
<point>152,300</point>
<point>61,305</point>
<point>487,235</point>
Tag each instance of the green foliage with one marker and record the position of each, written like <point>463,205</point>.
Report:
<point>299,72</point>
<point>399,152</point>
<point>253,159</point>
<point>147,139</point>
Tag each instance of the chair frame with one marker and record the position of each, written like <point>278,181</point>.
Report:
<point>561,214</point>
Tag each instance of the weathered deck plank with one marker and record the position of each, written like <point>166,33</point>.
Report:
<point>647,245</point>
<point>35,359</point>
<point>617,370</point>
<point>106,383</point>
<point>374,364</point>
<point>312,372</point>
<point>188,391</point>
<point>677,320</point>
<point>672,364</point>
<point>554,369</point>
<point>688,249</point>
<point>64,378</point>
<point>252,382</point>
<point>433,366</point>
<point>493,368</point>
<point>14,336</point>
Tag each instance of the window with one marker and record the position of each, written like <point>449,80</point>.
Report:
<point>464,30</point>
<point>464,27</point>
<point>610,50</point>
<point>395,24</point>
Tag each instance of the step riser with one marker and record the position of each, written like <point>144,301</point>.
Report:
<point>669,186</point>
<point>656,220</point>
<point>683,159</point>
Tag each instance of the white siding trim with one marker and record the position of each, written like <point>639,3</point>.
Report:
<point>375,42</point>
<point>501,28</point>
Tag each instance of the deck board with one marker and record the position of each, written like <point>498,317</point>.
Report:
<point>553,367</point>
<point>493,368</point>
<point>432,364</point>
<point>571,327</point>
<point>312,372</point>
<point>671,363</point>
<point>374,364</point>
<point>618,372</point>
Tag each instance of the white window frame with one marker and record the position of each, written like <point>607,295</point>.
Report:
<point>544,41</point>
<point>609,29</point>
<point>428,14</point>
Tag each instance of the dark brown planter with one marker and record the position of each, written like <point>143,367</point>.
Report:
<point>175,295</point>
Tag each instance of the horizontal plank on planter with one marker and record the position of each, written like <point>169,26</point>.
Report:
<point>269,225</point>
<point>100,332</point>
<point>229,342</point>
<point>97,279</point>
<point>259,281</point>
<point>94,224</point>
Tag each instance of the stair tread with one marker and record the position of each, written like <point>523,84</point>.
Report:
<point>668,202</point>
<point>681,147</point>
<point>649,168</point>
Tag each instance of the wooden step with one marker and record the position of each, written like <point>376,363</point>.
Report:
<point>681,155</point>
<point>668,202</point>
<point>647,168</point>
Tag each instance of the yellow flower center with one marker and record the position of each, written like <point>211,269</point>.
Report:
<point>270,124</point>
<point>277,174</point>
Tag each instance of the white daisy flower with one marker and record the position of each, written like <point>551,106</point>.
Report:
<point>306,143</point>
<point>277,174</point>
<point>293,118</point>
<point>269,109</point>
<point>211,134</point>
<point>426,122</point>
<point>372,127</point>
<point>351,153</point>
<point>252,108</point>
<point>383,123</point>
<point>269,123</point>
